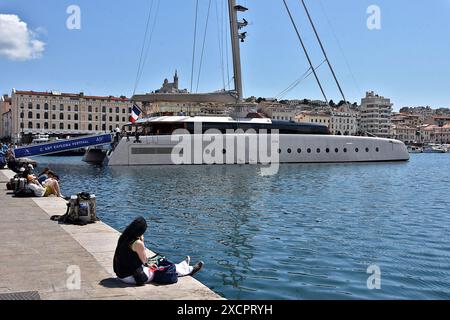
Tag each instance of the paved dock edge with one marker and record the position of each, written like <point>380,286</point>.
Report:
<point>99,240</point>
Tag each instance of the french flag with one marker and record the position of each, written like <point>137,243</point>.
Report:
<point>135,113</point>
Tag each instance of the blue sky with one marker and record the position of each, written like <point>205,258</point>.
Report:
<point>406,60</point>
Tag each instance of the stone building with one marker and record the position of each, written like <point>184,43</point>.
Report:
<point>65,114</point>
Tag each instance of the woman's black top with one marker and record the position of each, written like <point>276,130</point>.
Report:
<point>126,261</point>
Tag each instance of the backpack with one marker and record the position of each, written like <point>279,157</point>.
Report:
<point>20,188</point>
<point>81,210</point>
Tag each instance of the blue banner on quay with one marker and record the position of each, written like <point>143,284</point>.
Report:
<point>58,146</point>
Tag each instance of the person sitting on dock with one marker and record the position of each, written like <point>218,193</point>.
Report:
<point>50,187</point>
<point>131,262</point>
<point>43,175</point>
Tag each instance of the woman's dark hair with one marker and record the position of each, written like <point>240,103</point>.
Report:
<point>134,230</point>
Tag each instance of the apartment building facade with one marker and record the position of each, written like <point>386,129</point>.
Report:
<point>65,114</point>
<point>375,115</point>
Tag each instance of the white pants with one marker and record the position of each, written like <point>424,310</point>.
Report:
<point>183,269</point>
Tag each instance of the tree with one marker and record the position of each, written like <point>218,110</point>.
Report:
<point>260,99</point>
<point>331,103</point>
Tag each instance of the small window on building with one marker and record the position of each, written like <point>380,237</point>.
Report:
<point>30,105</point>
<point>61,126</point>
<point>30,125</point>
<point>61,107</point>
<point>38,115</point>
<point>38,107</point>
<point>30,115</point>
<point>75,126</point>
<point>53,116</point>
<point>61,116</point>
<point>89,126</point>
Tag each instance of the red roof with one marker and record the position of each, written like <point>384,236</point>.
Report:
<point>71,95</point>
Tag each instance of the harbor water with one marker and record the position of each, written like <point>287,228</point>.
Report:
<point>311,231</point>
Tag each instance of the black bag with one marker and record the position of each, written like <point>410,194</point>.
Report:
<point>166,272</point>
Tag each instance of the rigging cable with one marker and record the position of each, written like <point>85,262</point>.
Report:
<point>150,40</point>
<point>220,38</point>
<point>306,51</point>
<point>203,46</point>
<point>324,52</point>
<point>143,47</point>
<point>340,47</point>
<point>298,81</point>
<point>195,41</point>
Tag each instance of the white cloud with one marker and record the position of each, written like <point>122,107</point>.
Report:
<point>17,42</point>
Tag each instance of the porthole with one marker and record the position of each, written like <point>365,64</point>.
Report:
<point>224,151</point>
<point>377,149</point>
<point>318,150</point>
<point>299,150</point>
<point>367,149</point>
<point>289,150</point>
<point>279,150</point>
<point>345,149</point>
<point>356,150</point>
<point>327,150</point>
<point>336,150</point>
<point>309,150</point>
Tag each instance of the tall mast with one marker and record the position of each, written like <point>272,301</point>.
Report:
<point>235,38</point>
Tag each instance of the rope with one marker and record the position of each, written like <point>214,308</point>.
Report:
<point>304,49</point>
<point>203,46</point>
<point>220,38</point>
<point>143,47</point>
<point>195,41</point>
<point>324,52</point>
<point>149,41</point>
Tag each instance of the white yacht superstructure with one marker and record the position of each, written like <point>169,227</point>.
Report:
<point>295,143</point>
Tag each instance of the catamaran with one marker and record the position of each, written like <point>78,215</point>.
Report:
<point>157,139</point>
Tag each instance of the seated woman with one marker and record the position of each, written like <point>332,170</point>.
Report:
<point>43,175</point>
<point>130,258</point>
<point>50,187</point>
